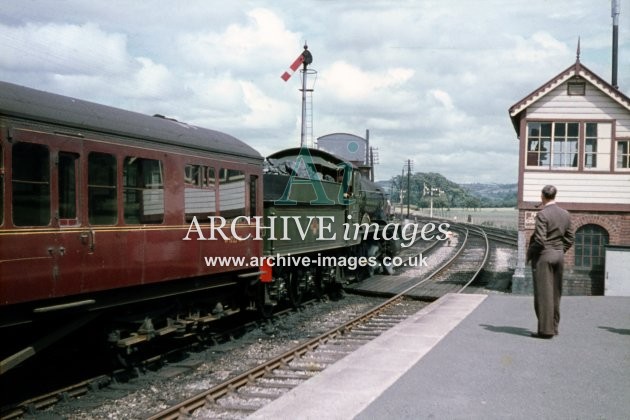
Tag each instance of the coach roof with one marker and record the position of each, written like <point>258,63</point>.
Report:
<point>27,103</point>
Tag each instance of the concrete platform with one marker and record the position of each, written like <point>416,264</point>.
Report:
<point>471,357</point>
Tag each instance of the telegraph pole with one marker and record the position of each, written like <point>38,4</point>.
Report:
<point>402,193</point>
<point>408,185</point>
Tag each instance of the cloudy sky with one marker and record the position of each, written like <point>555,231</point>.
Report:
<point>431,79</point>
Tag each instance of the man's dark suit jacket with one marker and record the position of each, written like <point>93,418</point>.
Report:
<point>553,231</point>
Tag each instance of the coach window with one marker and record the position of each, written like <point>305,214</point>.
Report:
<point>211,178</point>
<point>191,176</point>
<point>1,184</point>
<point>143,191</point>
<point>31,184</point>
<point>231,193</point>
<point>253,184</point>
<point>102,203</point>
<point>199,192</point>
<point>68,185</point>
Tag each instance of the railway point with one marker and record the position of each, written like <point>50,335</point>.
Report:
<point>471,356</point>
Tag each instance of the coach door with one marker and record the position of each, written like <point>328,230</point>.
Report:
<point>45,202</point>
<point>68,250</point>
<point>67,205</point>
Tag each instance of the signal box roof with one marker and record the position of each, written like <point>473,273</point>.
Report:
<point>577,71</point>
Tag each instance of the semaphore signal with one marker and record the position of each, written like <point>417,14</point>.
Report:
<point>293,67</point>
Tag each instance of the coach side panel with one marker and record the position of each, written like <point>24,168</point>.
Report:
<point>82,215</point>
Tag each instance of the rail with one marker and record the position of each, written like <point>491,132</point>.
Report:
<point>218,391</point>
<point>210,396</point>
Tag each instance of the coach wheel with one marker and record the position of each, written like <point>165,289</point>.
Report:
<point>122,360</point>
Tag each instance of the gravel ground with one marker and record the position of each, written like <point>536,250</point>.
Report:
<point>151,392</point>
<point>497,276</point>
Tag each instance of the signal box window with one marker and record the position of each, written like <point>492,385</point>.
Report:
<point>590,146</point>
<point>552,144</point>
<point>538,144</point>
<point>623,154</point>
<point>565,145</point>
<point>231,193</point>
<point>597,146</point>
<point>143,191</point>
<point>102,202</point>
<point>199,192</point>
<point>31,184</point>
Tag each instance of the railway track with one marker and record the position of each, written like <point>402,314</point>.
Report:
<point>246,392</point>
<point>240,396</point>
<point>458,271</point>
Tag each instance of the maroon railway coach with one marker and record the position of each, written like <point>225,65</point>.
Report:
<point>95,203</point>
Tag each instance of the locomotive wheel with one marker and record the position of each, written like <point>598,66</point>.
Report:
<point>335,286</point>
<point>340,275</point>
<point>319,283</point>
<point>297,286</point>
<point>264,303</point>
<point>373,250</point>
<point>388,268</point>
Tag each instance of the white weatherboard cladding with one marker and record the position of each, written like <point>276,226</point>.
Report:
<point>152,202</point>
<point>576,187</point>
<point>594,105</point>
<point>232,195</point>
<point>197,200</point>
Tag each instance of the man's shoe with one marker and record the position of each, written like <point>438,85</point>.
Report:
<point>544,336</point>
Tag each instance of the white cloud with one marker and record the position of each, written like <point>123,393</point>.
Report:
<point>264,111</point>
<point>62,49</point>
<point>442,98</point>
<point>431,79</point>
<point>540,47</point>
<point>262,42</point>
<point>151,80</point>
<point>349,83</point>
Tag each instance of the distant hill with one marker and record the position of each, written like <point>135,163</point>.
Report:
<point>499,195</point>
<point>447,194</point>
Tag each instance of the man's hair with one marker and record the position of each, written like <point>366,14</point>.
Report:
<point>549,192</point>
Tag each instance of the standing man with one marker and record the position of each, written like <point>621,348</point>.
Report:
<point>553,236</point>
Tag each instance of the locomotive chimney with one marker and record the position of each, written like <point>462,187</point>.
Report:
<point>615,40</point>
